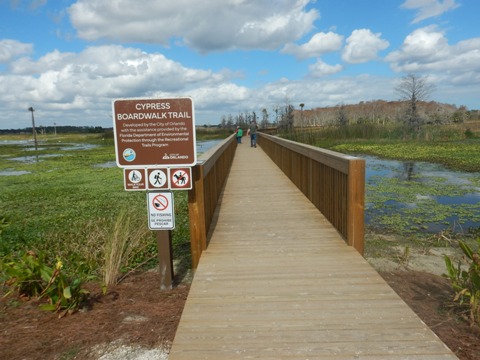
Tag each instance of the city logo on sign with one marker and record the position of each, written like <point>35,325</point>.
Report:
<point>129,155</point>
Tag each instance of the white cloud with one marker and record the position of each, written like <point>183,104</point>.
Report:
<point>320,69</point>
<point>324,92</point>
<point>222,97</point>
<point>10,49</point>
<point>89,80</point>
<point>426,50</point>
<point>78,87</point>
<point>320,44</point>
<point>66,88</point>
<point>429,8</point>
<point>362,46</point>
<point>213,25</point>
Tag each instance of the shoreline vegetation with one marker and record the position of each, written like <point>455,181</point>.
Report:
<point>69,210</point>
<point>454,146</point>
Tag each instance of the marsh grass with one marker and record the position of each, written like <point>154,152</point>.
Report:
<point>455,146</point>
<point>67,207</point>
<point>124,243</point>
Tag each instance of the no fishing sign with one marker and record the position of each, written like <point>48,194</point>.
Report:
<point>161,215</point>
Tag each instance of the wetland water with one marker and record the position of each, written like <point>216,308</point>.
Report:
<point>30,156</point>
<point>400,196</point>
<point>420,196</point>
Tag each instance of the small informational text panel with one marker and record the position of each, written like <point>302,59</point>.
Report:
<point>161,214</point>
<point>154,132</point>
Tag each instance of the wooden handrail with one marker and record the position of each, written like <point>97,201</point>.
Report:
<point>333,182</point>
<point>208,179</point>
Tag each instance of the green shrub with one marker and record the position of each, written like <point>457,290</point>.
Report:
<point>469,134</point>
<point>31,277</point>
<point>466,283</point>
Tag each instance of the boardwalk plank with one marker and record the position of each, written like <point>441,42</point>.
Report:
<point>278,282</point>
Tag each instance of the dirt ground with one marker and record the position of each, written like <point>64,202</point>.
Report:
<point>136,320</point>
<point>430,297</point>
<point>135,314</point>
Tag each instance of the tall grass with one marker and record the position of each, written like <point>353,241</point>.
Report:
<point>373,131</point>
<point>455,146</point>
<point>68,207</point>
<point>124,244</point>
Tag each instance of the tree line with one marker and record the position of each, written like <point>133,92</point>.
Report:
<point>412,110</point>
<point>282,117</point>
<point>66,129</point>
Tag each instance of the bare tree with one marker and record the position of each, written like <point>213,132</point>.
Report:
<point>265,115</point>
<point>286,118</point>
<point>413,88</point>
<point>341,117</point>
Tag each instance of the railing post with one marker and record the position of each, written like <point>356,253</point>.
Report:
<point>196,211</point>
<point>356,204</point>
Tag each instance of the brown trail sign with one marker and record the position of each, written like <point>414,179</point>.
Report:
<point>152,132</point>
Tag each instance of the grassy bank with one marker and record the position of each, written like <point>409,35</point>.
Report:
<point>69,205</point>
<point>455,146</point>
<point>461,155</point>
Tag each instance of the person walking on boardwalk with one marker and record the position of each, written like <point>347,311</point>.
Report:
<point>239,133</point>
<point>252,131</point>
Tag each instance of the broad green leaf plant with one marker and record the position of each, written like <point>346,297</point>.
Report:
<point>30,277</point>
<point>465,280</point>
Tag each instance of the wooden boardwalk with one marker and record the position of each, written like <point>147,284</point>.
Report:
<point>278,282</point>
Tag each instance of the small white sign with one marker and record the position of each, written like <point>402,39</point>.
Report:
<point>161,214</point>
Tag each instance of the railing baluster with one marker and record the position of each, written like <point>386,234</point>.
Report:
<point>333,182</point>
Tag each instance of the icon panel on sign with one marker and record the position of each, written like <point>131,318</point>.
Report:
<point>157,179</point>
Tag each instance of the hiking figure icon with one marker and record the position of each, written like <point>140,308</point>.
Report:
<point>157,178</point>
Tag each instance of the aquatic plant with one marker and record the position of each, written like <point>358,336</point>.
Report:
<point>465,280</point>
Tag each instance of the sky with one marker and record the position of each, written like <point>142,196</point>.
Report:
<point>70,59</point>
